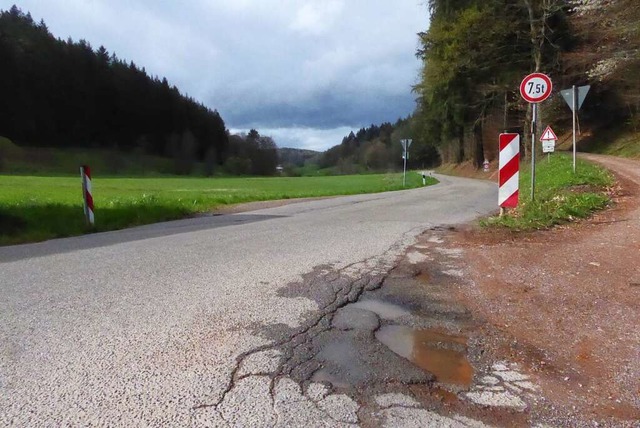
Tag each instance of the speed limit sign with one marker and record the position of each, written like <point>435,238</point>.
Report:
<point>536,88</point>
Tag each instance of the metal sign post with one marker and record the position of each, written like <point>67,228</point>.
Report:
<point>533,151</point>
<point>535,88</point>
<point>574,103</point>
<point>574,97</point>
<point>405,155</point>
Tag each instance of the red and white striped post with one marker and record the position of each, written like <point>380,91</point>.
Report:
<point>87,196</point>
<point>509,170</point>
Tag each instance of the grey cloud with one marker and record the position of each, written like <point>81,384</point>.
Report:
<point>268,63</point>
<point>324,111</point>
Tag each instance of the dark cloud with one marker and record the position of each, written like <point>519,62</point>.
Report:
<point>325,111</point>
<point>274,64</point>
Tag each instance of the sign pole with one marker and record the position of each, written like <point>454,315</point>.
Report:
<point>533,151</point>
<point>404,156</point>
<point>535,88</point>
<point>574,97</point>
<point>406,143</point>
<point>575,112</point>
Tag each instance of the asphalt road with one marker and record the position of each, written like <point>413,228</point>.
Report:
<point>145,327</point>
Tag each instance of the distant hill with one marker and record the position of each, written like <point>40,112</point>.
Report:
<point>377,148</point>
<point>296,157</point>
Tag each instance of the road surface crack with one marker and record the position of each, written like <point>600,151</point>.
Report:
<point>347,285</point>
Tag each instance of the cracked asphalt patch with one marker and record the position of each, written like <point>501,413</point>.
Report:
<point>390,346</point>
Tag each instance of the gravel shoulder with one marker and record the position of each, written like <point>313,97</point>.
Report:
<point>570,298</point>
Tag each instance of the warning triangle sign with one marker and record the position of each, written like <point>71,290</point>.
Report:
<point>548,135</point>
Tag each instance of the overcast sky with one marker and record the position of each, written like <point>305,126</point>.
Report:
<point>305,72</point>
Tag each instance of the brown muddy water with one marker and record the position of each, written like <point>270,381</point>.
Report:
<point>441,354</point>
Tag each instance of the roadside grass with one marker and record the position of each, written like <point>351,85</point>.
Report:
<point>39,208</point>
<point>561,196</point>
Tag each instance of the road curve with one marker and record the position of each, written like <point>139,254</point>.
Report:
<point>142,327</point>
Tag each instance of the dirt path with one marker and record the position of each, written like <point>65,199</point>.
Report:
<point>565,304</point>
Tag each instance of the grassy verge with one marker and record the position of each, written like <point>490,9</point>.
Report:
<point>39,208</point>
<point>561,196</point>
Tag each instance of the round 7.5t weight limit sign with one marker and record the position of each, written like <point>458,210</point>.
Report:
<point>536,88</point>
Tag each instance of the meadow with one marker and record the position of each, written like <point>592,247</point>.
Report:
<point>36,208</point>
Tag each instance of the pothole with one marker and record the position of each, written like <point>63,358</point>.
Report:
<point>323,376</point>
<point>385,310</point>
<point>440,354</point>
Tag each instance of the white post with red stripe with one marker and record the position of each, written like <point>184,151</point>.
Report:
<point>509,170</point>
<point>87,196</point>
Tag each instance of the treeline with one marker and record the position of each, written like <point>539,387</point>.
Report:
<point>377,148</point>
<point>298,162</point>
<point>475,53</point>
<point>251,154</point>
<point>65,94</point>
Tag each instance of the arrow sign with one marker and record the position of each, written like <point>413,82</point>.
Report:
<point>548,135</point>
<point>581,94</point>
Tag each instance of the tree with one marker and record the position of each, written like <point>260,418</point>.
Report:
<point>59,93</point>
<point>377,156</point>
<point>613,67</point>
<point>266,157</point>
<point>474,54</point>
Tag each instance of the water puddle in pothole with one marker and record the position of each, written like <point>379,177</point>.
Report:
<point>323,376</point>
<point>436,352</point>
<point>385,310</point>
<point>423,277</point>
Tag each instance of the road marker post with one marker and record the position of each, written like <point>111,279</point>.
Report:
<point>509,171</point>
<point>87,195</point>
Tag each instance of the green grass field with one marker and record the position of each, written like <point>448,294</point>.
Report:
<point>561,195</point>
<point>39,208</point>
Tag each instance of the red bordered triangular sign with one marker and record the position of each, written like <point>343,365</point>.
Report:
<point>548,135</point>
